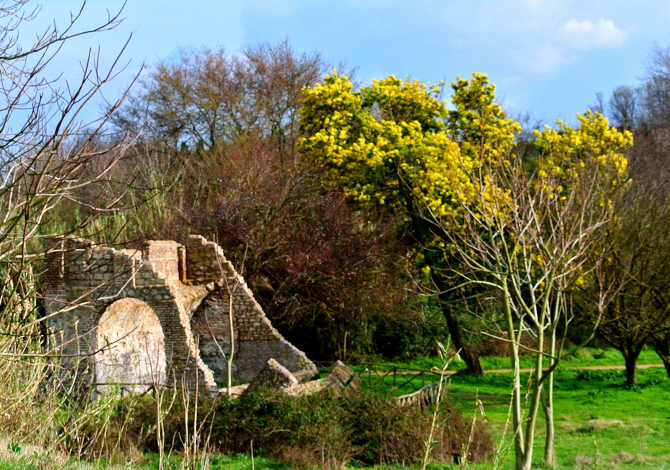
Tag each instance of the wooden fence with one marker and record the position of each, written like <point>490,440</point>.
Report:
<point>376,375</point>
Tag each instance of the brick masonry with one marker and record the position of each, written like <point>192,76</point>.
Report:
<point>177,328</point>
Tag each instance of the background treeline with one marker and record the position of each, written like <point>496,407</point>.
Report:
<point>630,288</point>
<point>214,153</point>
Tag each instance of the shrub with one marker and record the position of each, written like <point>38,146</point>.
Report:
<point>319,430</point>
<point>325,431</point>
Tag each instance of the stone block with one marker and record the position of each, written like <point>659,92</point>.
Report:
<point>273,375</point>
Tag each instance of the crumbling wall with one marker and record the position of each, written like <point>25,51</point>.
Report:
<point>166,257</point>
<point>188,288</point>
<point>211,326</point>
<point>91,278</point>
<point>256,340</point>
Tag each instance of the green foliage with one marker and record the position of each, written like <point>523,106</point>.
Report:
<point>14,447</point>
<point>363,427</point>
<point>320,430</point>
<point>413,335</point>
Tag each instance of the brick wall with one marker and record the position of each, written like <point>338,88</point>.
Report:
<point>184,286</point>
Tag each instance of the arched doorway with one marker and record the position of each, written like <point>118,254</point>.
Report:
<point>131,347</point>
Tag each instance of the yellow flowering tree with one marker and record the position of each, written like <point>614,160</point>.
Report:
<point>477,211</point>
<point>383,143</point>
<point>394,147</point>
<point>478,124</point>
<point>594,148</point>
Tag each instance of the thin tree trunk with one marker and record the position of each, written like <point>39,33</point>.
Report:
<point>517,415</point>
<point>548,406</point>
<point>534,404</point>
<point>467,354</point>
<point>666,363</point>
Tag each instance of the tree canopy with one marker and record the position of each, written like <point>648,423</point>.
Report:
<point>395,142</point>
<point>478,215</point>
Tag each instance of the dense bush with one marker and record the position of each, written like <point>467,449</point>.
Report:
<point>315,431</point>
<point>325,431</point>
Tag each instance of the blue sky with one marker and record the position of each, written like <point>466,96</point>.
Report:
<point>546,57</point>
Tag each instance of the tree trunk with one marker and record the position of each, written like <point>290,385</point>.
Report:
<point>631,370</point>
<point>548,406</point>
<point>662,348</point>
<point>536,388</point>
<point>517,415</point>
<point>666,363</point>
<point>467,354</point>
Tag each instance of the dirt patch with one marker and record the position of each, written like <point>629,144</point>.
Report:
<point>591,425</point>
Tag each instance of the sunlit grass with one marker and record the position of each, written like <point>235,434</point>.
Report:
<point>600,422</point>
<point>584,357</point>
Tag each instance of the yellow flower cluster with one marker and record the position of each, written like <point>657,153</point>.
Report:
<point>384,143</point>
<point>395,146</point>
<point>568,152</point>
<point>396,140</point>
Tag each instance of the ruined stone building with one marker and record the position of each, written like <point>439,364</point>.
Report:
<point>157,316</point>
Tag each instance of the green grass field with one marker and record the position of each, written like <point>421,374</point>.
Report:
<point>585,357</point>
<point>600,423</point>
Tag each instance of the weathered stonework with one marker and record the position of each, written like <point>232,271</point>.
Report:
<point>341,380</point>
<point>157,316</point>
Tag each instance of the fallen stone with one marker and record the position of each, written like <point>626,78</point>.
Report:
<point>310,372</point>
<point>341,380</point>
<point>235,391</point>
<point>273,375</point>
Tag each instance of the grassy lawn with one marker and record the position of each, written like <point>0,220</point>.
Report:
<point>600,423</point>
<point>586,357</point>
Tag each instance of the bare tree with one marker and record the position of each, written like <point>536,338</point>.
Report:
<point>48,156</point>
<point>635,270</point>
<point>626,297</point>
<point>656,89</point>
<point>599,105</point>
<point>207,98</point>
<point>529,238</point>
<point>623,107</point>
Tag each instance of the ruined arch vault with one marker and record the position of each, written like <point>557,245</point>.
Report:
<point>156,315</point>
<point>130,347</point>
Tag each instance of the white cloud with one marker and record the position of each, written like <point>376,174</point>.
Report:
<point>544,61</point>
<point>587,34</point>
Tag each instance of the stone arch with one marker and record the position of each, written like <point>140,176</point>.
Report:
<point>130,346</point>
<point>167,289</point>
